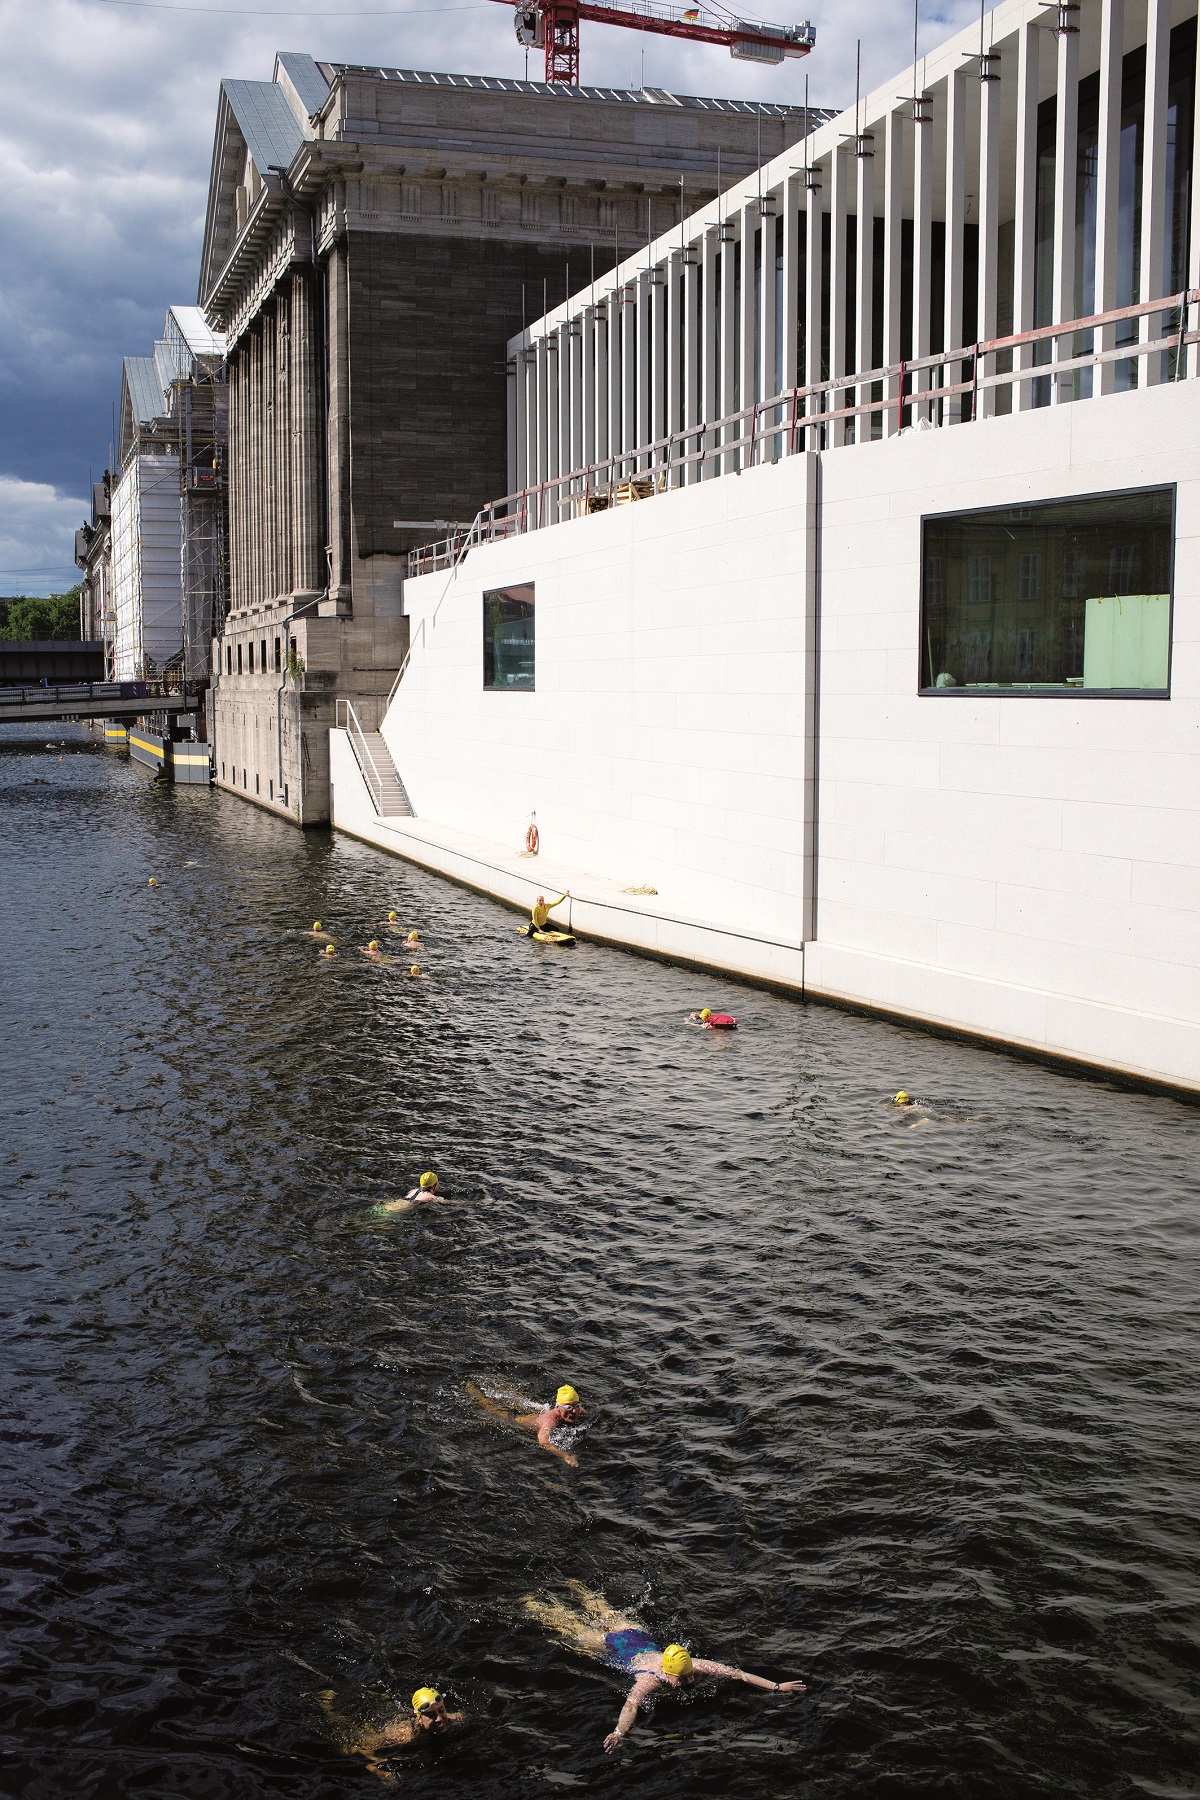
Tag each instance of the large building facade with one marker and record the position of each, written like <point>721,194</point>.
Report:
<point>866,628</point>
<point>374,238</point>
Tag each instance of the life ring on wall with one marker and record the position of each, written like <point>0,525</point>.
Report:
<point>531,839</point>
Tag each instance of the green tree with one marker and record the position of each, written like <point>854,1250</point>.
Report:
<point>38,617</point>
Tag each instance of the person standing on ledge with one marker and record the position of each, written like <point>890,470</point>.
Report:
<point>539,914</point>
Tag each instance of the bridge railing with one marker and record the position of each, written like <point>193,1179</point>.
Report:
<point>90,693</point>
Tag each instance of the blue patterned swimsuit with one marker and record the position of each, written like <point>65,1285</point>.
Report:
<point>620,1648</point>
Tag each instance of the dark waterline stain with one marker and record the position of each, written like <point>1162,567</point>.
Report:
<point>910,1412</point>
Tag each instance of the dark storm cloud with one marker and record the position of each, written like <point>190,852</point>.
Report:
<point>105,146</point>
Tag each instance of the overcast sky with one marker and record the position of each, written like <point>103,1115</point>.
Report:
<point>105,147</point>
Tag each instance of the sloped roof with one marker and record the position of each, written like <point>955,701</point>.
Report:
<point>197,333</point>
<point>145,389</point>
<point>271,130</point>
<point>310,85</point>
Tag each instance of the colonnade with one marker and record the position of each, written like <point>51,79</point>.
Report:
<point>962,202</point>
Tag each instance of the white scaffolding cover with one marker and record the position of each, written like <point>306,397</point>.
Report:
<point>147,589</point>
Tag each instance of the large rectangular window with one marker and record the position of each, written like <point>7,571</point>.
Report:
<point>508,637</point>
<point>1066,596</point>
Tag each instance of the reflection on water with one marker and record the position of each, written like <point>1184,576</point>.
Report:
<point>909,1413</point>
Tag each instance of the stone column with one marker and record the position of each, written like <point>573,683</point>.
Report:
<point>893,219</point>
<point>864,280</point>
<point>338,427</point>
<point>307,560</point>
<point>1154,176</point>
<point>990,96</point>
<point>838,227</point>
<point>814,234</point>
<point>747,322</point>
<point>956,217</point>
<point>1025,209</point>
<point>1066,181</point>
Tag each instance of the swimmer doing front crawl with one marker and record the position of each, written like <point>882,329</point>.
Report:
<point>567,1409</point>
<point>592,1627</point>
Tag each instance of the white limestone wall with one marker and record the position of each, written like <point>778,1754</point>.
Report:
<point>1020,866</point>
<point>663,745</point>
<point>1027,867</point>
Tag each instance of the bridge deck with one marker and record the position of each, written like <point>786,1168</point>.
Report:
<point>94,700</point>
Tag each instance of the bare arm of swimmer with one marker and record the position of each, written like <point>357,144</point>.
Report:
<point>543,1423</point>
<point>771,1687</point>
<point>641,1690</point>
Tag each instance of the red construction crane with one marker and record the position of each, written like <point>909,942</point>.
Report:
<point>554,26</point>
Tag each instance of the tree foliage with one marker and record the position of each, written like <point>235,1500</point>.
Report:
<point>32,616</point>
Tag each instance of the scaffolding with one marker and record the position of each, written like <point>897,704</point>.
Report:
<point>203,548</point>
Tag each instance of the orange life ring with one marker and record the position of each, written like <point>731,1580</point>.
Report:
<point>532,840</point>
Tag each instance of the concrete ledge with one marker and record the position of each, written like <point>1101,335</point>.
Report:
<point>1108,1039</point>
<point>598,909</point>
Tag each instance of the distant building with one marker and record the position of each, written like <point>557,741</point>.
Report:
<point>93,555</point>
<point>154,559</point>
<point>374,237</point>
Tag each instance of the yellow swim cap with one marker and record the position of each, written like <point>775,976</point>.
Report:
<point>706,1013</point>
<point>391,915</point>
<point>676,1660</point>
<point>372,945</point>
<point>329,949</point>
<point>425,1697</point>
<point>414,970</point>
<point>566,1396</point>
<point>902,1099</point>
<point>316,924</point>
<point>429,1180</point>
<point>153,881</point>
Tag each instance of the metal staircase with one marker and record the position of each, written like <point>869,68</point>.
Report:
<point>387,791</point>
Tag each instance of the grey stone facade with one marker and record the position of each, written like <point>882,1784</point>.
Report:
<point>373,240</point>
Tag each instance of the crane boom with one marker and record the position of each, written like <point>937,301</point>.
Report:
<point>554,26</point>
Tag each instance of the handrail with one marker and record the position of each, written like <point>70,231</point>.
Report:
<point>762,431</point>
<point>362,754</point>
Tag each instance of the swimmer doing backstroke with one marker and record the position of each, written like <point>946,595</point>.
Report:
<point>594,1628</point>
<point>566,1409</point>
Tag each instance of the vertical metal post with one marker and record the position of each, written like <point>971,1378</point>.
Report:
<point>710,369</point>
<point>616,385</point>
<point>645,364</point>
<point>789,372</point>
<point>674,345</point>
<point>768,373</point>
<point>691,355</point>
<point>729,341</point>
<point>587,386</point>
<point>923,147</point>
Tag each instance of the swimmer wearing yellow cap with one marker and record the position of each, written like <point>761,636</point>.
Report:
<point>428,1188</point>
<point>589,1624</point>
<point>373,951</point>
<point>319,932</point>
<point>329,950</point>
<point>565,1409</point>
<point>429,1717</point>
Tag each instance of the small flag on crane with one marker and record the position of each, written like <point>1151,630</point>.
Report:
<point>692,13</point>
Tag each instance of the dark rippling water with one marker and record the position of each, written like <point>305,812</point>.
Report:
<point>909,1412</point>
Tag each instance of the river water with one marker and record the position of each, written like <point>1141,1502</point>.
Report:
<point>910,1412</point>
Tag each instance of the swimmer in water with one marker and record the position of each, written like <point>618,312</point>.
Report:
<point>427,1189</point>
<point>567,1409</point>
<point>708,1020</point>
<point>429,1720</point>
<point>592,1627</point>
<point>413,939</point>
<point>915,1112</point>
<point>319,932</point>
<point>415,972</point>
<point>374,952</point>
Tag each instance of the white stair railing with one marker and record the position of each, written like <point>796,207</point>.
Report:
<point>362,751</point>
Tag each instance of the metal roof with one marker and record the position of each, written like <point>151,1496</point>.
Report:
<point>271,129</point>
<point>498,84</point>
<point>196,331</point>
<point>145,389</point>
<point>306,78</point>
